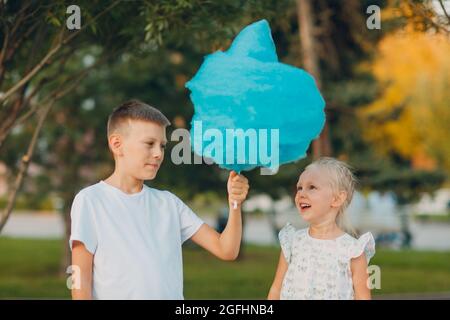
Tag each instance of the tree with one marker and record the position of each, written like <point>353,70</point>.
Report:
<point>411,115</point>
<point>33,32</point>
<point>36,30</point>
<point>116,44</point>
<point>321,146</point>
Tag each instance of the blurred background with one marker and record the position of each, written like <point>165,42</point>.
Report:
<point>385,78</point>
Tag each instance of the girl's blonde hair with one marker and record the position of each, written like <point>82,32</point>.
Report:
<point>342,179</point>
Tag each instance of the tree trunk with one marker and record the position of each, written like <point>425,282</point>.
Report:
<point>271,215</point>
<point>305,15</point>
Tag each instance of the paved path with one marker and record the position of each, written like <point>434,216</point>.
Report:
<point>414,296</point>
<point>426,236</point>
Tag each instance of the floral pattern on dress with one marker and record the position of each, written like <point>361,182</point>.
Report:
<point>319,269</point>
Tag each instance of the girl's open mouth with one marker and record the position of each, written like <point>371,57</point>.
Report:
<point>304,206</point>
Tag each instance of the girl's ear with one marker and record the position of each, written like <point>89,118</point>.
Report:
<point>339,199</point>
<point>115,144</point>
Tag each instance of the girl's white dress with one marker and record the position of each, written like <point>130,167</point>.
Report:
<point>320,269</point>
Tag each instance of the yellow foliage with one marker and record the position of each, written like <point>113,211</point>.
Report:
<point>412,114</point>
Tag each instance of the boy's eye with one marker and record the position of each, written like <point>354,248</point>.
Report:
<point>312,187</point>
<point>150,144</point>
<point>163,146</point>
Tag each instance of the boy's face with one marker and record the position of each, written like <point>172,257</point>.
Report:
<point>315,199</point>
<point>142,149</point>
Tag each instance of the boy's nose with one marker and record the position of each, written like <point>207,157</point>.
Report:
<point>158,153</point>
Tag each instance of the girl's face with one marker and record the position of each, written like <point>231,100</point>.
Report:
<point>315,199</point>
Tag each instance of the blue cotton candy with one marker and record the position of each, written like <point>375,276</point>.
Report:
<point>247,87</point>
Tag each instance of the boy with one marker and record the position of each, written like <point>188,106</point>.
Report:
<point>126,237</point>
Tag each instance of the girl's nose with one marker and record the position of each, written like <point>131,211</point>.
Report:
<point>299,195</point>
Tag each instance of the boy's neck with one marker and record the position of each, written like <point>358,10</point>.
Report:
<point>125,183</point>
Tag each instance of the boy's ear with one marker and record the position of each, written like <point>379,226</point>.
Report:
<point>339,199</point>
<point>115,144</point>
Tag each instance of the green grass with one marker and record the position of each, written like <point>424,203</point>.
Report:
<point>29,269</point>
<point>441,218</point>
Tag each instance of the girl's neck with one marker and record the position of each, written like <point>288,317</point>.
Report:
<point>325,230</point>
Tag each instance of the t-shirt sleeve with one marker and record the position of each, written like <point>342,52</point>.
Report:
<point>83,223</point>
<point>189,221</point>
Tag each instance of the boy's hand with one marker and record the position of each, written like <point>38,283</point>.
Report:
<point>237,189</point>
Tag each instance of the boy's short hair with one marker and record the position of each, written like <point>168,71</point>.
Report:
<point>134,110</point>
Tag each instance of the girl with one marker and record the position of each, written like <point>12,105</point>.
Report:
<point>323,261</point>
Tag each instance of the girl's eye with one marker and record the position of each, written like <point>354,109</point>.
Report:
<point>150,144</point>
<point>299,188</point>
<point>312,187</point>
<point>163,146</point>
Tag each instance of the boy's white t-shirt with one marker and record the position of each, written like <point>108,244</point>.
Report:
<point>135,239</point>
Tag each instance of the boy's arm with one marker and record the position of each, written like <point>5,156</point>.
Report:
<point>226,245</point>
<point>275,289</point>
<point>82,259</point>
<point>360,277</point>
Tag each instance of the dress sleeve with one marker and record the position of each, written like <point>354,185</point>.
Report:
<point>365,244</point>
<point>285,236</point>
